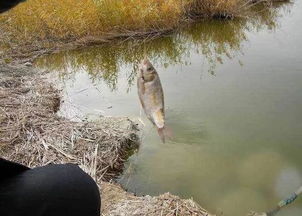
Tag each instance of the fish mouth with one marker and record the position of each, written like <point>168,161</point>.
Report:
<point>145,61</point>
<point>141,67</point>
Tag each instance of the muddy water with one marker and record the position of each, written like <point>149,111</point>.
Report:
<point>233,95</point>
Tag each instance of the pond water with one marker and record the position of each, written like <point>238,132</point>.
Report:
<point>233,95</point>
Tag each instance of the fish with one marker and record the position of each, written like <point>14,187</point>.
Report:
<point>151,96</point>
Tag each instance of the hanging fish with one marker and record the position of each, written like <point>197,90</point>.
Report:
<point>151,96</point>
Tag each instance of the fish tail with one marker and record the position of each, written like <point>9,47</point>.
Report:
<point>165,133</point>
<point>161,133</point>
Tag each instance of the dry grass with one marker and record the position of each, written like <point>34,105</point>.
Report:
<point>217,8</point>
<point>116,202</point>
<point>69,19</point>
<point>32,133</point>
<point>47,23</point>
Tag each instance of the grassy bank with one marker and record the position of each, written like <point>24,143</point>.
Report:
<point>33,134</point>
<point>55,19</point>
<point>49,23</point>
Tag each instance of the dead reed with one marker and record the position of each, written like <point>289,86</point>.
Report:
<point>42,24</point>
<point>31,132</point>
<point>118,202</point>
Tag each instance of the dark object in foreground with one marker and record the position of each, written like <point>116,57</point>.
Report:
<point>52,190</point>
<point>8,4</point>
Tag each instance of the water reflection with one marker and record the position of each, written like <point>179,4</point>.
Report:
<point>216,41</point>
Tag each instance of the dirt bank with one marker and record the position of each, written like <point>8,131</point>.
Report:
<point>33,134</point>
<point>119,202</point>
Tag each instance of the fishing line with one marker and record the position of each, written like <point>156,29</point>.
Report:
<point>145,52</point>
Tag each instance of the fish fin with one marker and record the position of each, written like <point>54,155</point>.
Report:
<point>164,133</point>
<point>168,132</point>
<point>141,85</point>
<point>161,134</point>
<point>159,118</point>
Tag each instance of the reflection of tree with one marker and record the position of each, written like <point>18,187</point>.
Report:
<point>268,17</point>
<point>215,40</point>
<point>218,39</point>
<point>104,62</point>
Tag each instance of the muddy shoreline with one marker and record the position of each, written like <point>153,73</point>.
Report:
<point>33,134</point>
